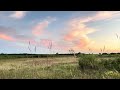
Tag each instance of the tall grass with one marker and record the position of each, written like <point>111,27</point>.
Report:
<point>92,62</point>
<point>111,64</point>
<point>88,62</point>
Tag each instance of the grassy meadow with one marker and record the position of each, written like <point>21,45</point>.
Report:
<point>60,45</point>
<point>60,67</point>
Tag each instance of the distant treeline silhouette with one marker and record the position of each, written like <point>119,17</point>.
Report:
<point>26,55</point>
<point>56,54</point>
<point>109,53</point>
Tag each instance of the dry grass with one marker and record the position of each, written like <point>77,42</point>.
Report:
<point>39,68</point>
<point>53,68</point>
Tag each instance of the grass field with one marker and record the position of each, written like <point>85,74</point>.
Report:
<point>59,45</point>
<point>82,67</point>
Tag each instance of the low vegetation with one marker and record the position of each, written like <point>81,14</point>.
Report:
<point>84,66</point>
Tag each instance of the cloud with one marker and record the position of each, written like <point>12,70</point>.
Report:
<point>101,15</point>
<point>83,42</point>
<point>18,14</point>
<point>10,34</point>
<point>41,26</point>
<point>38,29</point>
<point>105,15</point>
<point>6,37</point>
<point>6,33</point>
<point>78,31</point>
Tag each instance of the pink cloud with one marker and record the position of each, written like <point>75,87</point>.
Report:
<point>18,14</point>
<point>101,15</point>
<point>105,15</point>
<point>38,29</point>
<point>41,26</point>
<point>74,34</point>
<point>8,33</point>
<point>78,30</point>
<point>82,42</point>
<point>6,37</point>
<point>78,33</point>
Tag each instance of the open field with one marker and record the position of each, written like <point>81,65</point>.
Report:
<point>35,67</point>
<point>58,68</point>
<point>60,45</point>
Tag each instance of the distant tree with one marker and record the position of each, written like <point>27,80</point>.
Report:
<point>72,52</point>
<point>2,53</point>
<point>57,53</point>
<point>79,53</point>
<point>112,53</point>
<point>104,53</point>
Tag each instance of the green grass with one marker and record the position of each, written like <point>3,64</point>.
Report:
<point>88,61</point>
<point>103,68</point>
<point>112,64</point>
<point>84,67</point>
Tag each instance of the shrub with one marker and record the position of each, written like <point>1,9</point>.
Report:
<point>112,64</point>
<point>88,62</point>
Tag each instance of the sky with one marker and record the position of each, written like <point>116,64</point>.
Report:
<point>59,31</point>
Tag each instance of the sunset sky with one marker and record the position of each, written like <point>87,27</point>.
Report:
<point>82,31</point>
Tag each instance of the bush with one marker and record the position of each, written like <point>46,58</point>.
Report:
<point>93,62</point>
<point>88,62</point>
<point>112,64</point>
